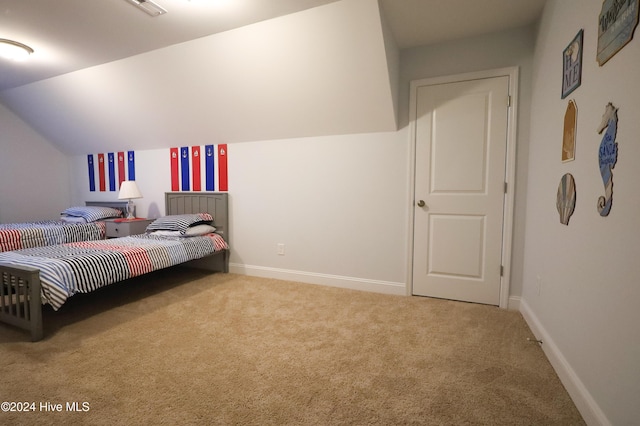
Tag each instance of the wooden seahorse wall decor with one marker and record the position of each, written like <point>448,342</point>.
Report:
<point>608,155</point>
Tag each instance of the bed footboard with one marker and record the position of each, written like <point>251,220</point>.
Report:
<point>20,302</point>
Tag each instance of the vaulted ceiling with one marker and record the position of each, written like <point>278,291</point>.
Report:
<point>107,76</point>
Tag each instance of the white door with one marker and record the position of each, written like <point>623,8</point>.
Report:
<point>460,153</point>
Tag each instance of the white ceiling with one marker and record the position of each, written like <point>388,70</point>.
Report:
<point>422,22</point>
<point>69,35</point>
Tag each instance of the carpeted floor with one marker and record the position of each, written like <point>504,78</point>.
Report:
<point>184,347</point>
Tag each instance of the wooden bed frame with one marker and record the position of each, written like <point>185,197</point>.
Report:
<point>20,300</point>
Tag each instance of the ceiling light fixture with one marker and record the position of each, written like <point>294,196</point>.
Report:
<point>14,50</point>
<point>149,7</point>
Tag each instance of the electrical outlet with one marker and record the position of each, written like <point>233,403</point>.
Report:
<point>539,284</point>
<point>280,249</point>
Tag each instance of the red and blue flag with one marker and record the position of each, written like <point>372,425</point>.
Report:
<point>111,167</point>
<point>187,163</point>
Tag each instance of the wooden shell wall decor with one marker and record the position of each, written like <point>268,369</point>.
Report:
<point>566,200</point>
<point>608,155</point>
<point>569,135</point>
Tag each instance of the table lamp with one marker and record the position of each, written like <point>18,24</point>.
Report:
<point>128,191</point>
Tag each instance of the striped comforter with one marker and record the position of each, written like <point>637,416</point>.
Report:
<point>67,269</point>
<point>17,236</point>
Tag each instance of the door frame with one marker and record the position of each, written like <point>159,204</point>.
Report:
<point>510,167</point>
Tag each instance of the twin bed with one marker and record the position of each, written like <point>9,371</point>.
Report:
<point>51,274</point>
<point>86,224</point>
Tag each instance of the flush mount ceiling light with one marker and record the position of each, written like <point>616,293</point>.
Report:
<point>149,7</point>
<point>14,50</point>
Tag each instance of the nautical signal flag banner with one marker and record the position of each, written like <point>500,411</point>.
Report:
<point>187,165</point>
<point>111,168</point>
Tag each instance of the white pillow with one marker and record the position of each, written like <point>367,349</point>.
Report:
<point>165,233</point>
<point>73,219</point>
<point>192,231</point>
<point>202,229</point>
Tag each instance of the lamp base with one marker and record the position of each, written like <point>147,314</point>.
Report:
<point>131,209</point>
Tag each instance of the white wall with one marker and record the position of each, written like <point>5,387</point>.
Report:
<point>34,176</point>
<point>339,204</point>
<point>586,310</point>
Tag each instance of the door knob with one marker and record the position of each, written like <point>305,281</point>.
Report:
<point>421,203</point>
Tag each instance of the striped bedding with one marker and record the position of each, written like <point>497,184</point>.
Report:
<point>17,236</point>
<point>82,267</point>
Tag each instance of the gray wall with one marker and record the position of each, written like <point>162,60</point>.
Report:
<point>34,175</point>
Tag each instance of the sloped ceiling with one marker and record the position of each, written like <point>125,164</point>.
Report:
<point>70,35</point>
<point>321,71</point>
<point>108,77</point>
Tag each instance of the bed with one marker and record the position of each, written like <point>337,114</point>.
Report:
<point>86,224</point>
<point>51,274</point>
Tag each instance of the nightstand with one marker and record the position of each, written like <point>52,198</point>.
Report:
<point>124,228</point>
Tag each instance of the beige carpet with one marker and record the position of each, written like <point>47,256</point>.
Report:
<point>182,347</point>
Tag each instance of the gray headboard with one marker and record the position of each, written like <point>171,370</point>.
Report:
<point>214,203</point>
<point>120,205</point>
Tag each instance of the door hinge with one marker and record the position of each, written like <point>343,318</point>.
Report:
<point>501,270</point>
<point>509,101</point>
<point>505,187</point>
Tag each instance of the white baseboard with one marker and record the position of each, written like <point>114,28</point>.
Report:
<point>385,287</point>
<point>588,407</point>
<point>514,303</point>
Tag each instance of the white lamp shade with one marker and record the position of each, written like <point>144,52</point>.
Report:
<point>128,190</point>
